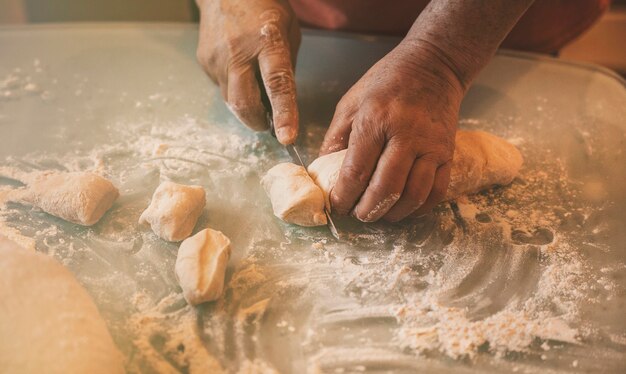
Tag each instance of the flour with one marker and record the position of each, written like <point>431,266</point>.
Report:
<point>503,274</point>
<point>256,367</point>
<point>456,336</point>
<point>19,83</point>
<point>15,236</point>
<point>174,334</point>
<point>382,205</point>
<point>427,325</point>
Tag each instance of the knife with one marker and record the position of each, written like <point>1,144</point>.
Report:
<point>295,156</point>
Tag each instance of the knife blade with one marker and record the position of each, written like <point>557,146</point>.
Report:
<point>295,156</point>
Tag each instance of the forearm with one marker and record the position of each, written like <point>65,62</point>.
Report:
<point>202,3</point>
<point>464,34</point>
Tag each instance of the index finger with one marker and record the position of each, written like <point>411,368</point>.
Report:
<point>278,78</point>
<point>364,149</point>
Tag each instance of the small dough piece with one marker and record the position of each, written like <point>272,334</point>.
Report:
<point>295,197</point>
<point>201,266</point>
<point>79,197</point>
<point>325,171</point>
<point>481,160</point>
<point>48,322</point>
<point>174,210</point>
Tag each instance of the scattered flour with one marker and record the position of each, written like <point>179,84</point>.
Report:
<point>494,277</point>
<point>159,334</point>
<point>15,236</point>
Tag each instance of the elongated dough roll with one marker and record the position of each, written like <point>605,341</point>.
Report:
<point>481,161</point>
<point>295,197</point>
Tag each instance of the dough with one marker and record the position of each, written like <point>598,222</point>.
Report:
<point>201,266</point>
<point>48,322</point>
<point>325,171</point>
<point>481,160</point>
<point>295,197</point>
<point>174,210</point>
<point>79,197</point>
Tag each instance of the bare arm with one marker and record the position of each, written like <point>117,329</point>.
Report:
<point>399,120</point>
<point>465,34</point>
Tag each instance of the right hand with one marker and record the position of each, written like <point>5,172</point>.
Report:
<point>246,46</point>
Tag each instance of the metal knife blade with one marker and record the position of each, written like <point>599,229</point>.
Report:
<point>331,224</point>
<point>295,156</point>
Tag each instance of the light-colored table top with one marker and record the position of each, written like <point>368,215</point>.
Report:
<point>529,277</point>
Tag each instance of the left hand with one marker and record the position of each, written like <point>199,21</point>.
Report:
<point>398,123</point>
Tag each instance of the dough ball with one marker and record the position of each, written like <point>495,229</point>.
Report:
<point>79,197</point>
<point>295,197</point>
<point>481,160</point>
<point>48,322</point>
<point>174,210</point>
<point>201,266</point>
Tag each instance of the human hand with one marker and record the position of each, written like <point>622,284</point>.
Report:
<point>398,123</point>
<point>249,47</point>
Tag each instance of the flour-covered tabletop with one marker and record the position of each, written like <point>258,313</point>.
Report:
<point>526,278</point>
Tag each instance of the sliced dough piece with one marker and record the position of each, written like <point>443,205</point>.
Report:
<point>481,160</point>
<point>174,210</point>
<point>201,266</point>
<point>325,171</point>
<point>295,197</point>
<point>48,322</point>
<point>79,197</point>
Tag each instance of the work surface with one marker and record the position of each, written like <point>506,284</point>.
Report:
<point>527,278</point>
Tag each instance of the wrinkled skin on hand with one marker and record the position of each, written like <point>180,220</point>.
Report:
<point>247,47</point>
<point>398,123</point>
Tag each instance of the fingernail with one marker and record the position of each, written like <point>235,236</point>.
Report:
<point>356,215</point>
<point>285,135</point>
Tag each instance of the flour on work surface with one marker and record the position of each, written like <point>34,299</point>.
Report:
<point>168,342</point>
<point>428,324</point>
<point>116,258</point>
<point>19,83</point>
<point>15,236</point>
<point>498,276</point>
<point>461,299</point>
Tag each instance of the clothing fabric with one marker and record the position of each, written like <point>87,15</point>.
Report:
<point>547,26</point>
